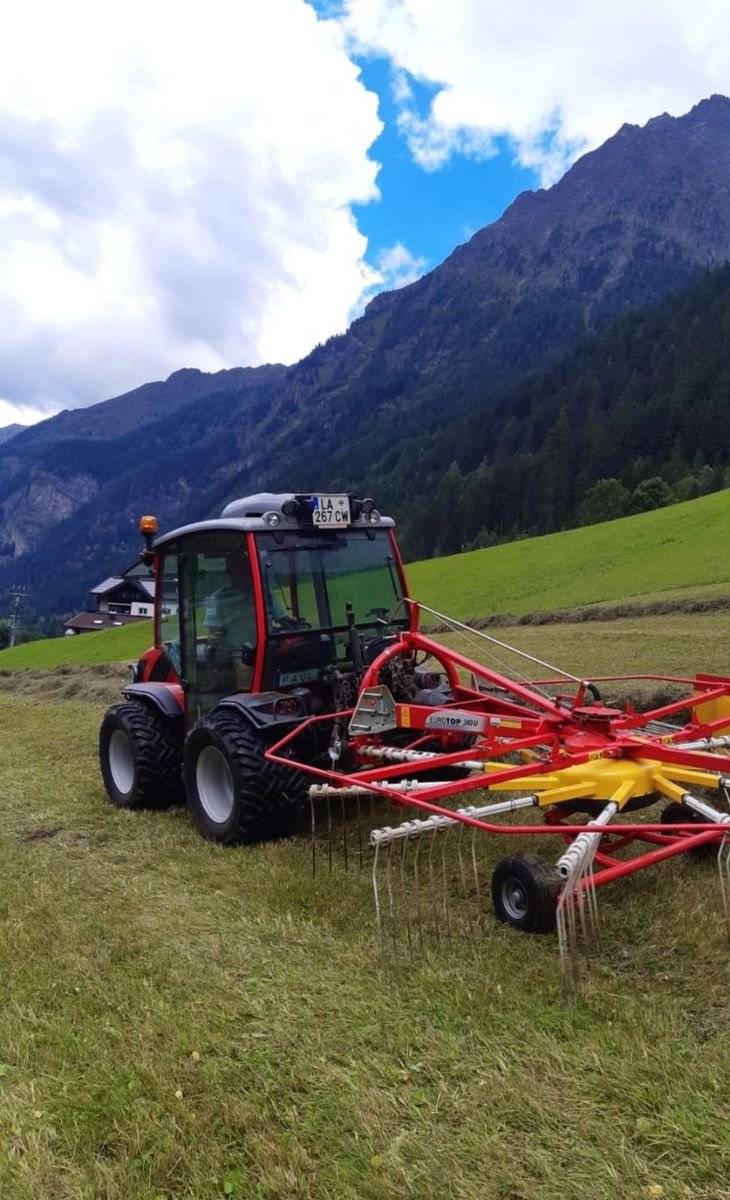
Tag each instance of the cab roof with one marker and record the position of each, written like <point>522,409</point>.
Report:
<point>267,511</point>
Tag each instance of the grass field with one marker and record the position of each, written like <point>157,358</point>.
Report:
<point>645,556</point>
<point>183,1022</point>
<point>186,1022</point>
<point>110,645</point>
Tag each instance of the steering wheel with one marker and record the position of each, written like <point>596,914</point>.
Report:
<point>288,623</point>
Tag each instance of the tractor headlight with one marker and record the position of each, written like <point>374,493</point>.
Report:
<point>272,519</point>
<point>373,516</point>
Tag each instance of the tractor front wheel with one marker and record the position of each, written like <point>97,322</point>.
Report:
<point>234,793</point>
<point>525,893</point>
<point>140,754</point>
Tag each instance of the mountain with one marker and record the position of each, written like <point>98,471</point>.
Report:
<point>56,467</point>
<point>631,419</point>
<point>425,378</point>
<point>9,431</point>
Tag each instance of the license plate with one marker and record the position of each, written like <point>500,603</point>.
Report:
<point>331,512</point>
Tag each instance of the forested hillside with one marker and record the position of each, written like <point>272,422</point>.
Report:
<point>633,419</point>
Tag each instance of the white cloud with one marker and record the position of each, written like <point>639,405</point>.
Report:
<point>12,414</point>
<point>175,190</point>
<point>398,267</point>
<point>555,79</point>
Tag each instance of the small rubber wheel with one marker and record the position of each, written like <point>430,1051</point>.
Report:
<point>140,755</point>
<point>525,893</point>
<point>680,814</point>
<point>235,795</point>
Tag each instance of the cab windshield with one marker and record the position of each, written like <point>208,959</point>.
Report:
<point>311,582</point>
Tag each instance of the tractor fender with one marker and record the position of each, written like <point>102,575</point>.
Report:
<point>259,709</point>
<point>166,698</point>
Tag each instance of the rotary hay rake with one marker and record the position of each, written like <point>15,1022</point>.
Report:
<point>551,745</point>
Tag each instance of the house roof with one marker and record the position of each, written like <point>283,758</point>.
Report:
<point>91,621</point>
<point>146,587</point>
<point>107,585</point>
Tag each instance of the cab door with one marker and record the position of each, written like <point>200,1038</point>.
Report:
<point>218,626</point>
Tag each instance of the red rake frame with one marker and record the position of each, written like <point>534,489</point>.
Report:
<point>571,751</point>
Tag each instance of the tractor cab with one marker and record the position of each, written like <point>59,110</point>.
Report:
<point>282,594</point>
<point>266,621</point>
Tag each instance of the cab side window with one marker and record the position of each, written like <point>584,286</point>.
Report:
<point>168,607</point>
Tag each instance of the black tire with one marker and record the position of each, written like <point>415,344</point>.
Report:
<point>234,794</point>
<point>525,893</point>
<point>679,814</point>
<point>140,754</point>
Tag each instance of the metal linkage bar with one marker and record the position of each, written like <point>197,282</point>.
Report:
<point>397,754</point>
<point>325,791</point>
<point>495,641</point>
<point>706,810</point>
<point>413,829</point>
<point>710,743</point>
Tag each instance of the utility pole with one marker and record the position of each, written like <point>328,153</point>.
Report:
<point>18,594</point>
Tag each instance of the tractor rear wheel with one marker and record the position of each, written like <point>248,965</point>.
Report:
<point>525,893</point>
<point>140,754</point>
<point>234,794</point>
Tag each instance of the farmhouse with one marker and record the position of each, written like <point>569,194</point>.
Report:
<point>119,600</point>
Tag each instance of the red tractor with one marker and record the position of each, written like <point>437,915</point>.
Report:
<point>264,617</point>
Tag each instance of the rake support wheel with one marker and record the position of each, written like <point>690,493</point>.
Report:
<point>236,795</point>
<point>525,893</point>
<point>680,814</point>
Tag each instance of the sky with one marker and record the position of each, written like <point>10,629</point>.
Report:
<point>226,184</point>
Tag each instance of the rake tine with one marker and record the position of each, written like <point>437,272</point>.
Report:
<point>344,831</point>
<point>567,924</point>
<point>593,915</point>
<point>417,888</point>
<point>432,888</point>
<point>329,833</point>
<point>582,910</point>
<point>723,863</point>
<point>445,882</point>
<point>468,919</point>
<point>314,837</point>
<point>359,832</point>
<point>406,911</point>
<point>376,898</point>
<point>475,867</point>
<point>391,902</point>
<point>578,904</point>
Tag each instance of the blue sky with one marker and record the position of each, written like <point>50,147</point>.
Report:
<point>225,184</point>
<point>430,212</point>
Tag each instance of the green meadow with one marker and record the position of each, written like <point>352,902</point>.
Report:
<point>185,1022</point>
<point>677,551</point>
